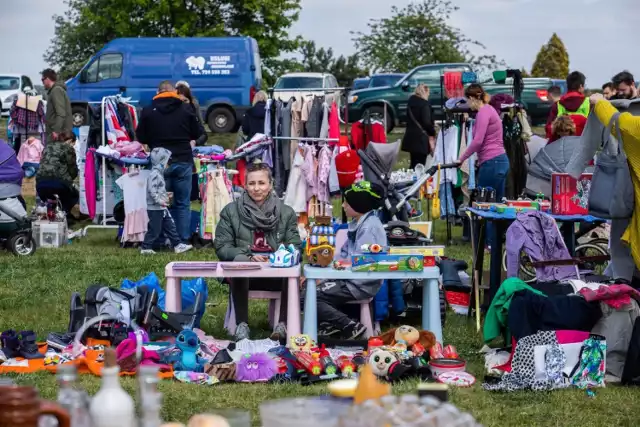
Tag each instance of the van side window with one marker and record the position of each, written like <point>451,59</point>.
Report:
<point>108,66</point>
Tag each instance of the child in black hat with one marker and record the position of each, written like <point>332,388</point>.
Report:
<point>361,201</point>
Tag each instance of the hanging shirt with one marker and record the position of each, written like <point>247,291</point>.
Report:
<point>134,187</point>
<point>447,152</point>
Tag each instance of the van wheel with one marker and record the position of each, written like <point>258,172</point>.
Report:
<point>377,113</point>
<point>221,120</point>
<point>80,116</point>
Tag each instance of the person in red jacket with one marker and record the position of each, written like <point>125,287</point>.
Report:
<point>573,103</point>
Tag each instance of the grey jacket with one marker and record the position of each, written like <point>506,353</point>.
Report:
<point>157,197</point>
<point>366,231</point>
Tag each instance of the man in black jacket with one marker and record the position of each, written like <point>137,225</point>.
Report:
<point>169,123</point>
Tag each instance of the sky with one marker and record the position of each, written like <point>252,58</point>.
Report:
<point>594,31</point>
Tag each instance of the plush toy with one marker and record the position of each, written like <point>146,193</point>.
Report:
<point>285,257</point>
<point>255,368</point>
<point>300,343</point>
<point>187,358</point>
<point>409,338</point>
<point>386,363</point>
<point>321,256</point>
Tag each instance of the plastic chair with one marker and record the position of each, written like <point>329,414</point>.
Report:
<point>275,299</point>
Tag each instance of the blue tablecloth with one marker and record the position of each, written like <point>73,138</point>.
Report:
<point>511,216</point>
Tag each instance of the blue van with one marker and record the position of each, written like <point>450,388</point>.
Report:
<point>224,73</point>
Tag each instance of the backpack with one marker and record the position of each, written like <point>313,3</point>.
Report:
<point>124,305</point>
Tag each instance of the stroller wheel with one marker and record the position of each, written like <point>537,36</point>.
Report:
<point>22,244</point>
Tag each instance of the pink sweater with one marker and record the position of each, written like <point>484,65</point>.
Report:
<point>487,136</point>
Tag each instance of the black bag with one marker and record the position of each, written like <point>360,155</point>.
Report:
<point>631,371</point>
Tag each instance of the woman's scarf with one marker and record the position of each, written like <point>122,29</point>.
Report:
<point>263,217</point>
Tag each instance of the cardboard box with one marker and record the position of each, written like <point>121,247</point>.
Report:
<point>387,262</point>
<point>570,196</point>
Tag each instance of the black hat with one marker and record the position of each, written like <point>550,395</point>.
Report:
<point>364,196</point>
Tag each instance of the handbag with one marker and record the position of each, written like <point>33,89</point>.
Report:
<point>611,172</point>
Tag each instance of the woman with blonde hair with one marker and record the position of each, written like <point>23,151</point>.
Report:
<point>419,137</point>
<point>253,120</point>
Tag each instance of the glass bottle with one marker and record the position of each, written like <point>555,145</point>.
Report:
<point>72,397</point>
<point>149,397</point>
<point>112,406</point>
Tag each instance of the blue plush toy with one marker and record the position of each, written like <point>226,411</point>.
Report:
<point>187,359</point>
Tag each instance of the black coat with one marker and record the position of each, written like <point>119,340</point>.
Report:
<point>416,139</point>
<point>170,123</point>
<point>202,139</point>
<point>253,121</point>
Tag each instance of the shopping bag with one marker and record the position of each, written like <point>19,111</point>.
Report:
<point>190,288</point>
<point>152,282</point>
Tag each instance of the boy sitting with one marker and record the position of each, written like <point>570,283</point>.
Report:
<point>360,203</point>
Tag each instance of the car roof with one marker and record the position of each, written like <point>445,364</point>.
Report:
<point>313,75</point>
<point>11,75</point>
<point>387,74</point>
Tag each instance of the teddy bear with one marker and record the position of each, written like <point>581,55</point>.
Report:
<point>407,338</point>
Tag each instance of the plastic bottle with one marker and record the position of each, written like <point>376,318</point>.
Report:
<point>112,406</point>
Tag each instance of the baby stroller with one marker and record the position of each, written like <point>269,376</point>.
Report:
<point>377,163</point>
<point>15,230</point>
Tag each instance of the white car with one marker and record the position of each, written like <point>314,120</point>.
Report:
<point>10,86</point>
<point>296,85</point>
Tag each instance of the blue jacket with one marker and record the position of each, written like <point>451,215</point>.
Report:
<point>391,292</point>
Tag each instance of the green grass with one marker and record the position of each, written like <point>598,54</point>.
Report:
<point>35,292</point>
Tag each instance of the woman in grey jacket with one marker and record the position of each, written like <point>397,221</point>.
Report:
<point>249,230</point>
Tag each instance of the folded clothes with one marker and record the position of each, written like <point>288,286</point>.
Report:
<point>208,149</point>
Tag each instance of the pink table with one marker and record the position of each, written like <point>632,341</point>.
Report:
<point>175,271</point>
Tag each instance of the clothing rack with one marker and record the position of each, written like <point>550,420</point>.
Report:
<point>447,123</point>
<point>105,223</point>
<point>275,137</point>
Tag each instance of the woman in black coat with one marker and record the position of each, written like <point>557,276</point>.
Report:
<point>253,121</point>
<point>419,137</point>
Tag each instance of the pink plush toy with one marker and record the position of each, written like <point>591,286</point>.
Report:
<point>257,367</point>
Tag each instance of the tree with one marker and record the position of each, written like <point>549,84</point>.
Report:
<point>345,69</point>
<point>87,25</point>
<point>552,61</point>
<point>524,72</point>
<point>415,35</point>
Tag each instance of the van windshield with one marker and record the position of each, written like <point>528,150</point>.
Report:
<point>9,83</point>
<point>299,83</point>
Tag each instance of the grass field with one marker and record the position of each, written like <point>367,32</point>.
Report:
<point>35,292</point>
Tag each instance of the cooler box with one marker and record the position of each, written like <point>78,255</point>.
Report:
<point>570,196</point>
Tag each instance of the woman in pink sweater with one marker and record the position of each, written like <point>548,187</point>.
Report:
<point>487,142</point>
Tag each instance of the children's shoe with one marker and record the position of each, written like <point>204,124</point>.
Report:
<point>29,346</point>
<point>59,341</point>
<point>355,330</point>
<point>147,252</point>
<point>10,344</point>
<point>182,248</point>
<point>328,330</point>
<point>280,332</point>
<point>242,332</point>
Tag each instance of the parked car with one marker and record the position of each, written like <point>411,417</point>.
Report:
<point>360,83</point>
<point>224,74</point>
<point>389,79</point>
<point>296,84</point>
<point>372,100</point>
<point>10,86</point>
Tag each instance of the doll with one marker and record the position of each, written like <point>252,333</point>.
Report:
<point>409,338</point>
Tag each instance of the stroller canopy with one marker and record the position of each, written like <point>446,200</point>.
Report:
<point>378,160</point>
<point>552,158</point>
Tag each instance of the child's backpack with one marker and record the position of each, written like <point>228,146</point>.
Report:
<point>122,304</point>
